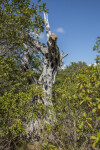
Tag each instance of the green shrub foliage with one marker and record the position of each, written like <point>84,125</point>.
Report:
<point>97,48</point>
<point>17,95</point>
<point>77,105</point>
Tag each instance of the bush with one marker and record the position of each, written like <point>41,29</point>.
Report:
<point>17,95</point>
<point>77,105</point>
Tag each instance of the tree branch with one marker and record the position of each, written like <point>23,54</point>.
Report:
<point>48,32</point>
<point>26,62</point>
<point>26,57</point>
<point>61,57</point>
<point>39,46</point>
<point>65,55</point>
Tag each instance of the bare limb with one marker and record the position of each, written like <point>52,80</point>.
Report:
<point>61,57</point>
<point>48,32</point>
<point>26,62</point>
<point>62,53</point>
<point>65,55</point>
<point>25,46</point>
<point>26,57</point>
<point>39,46</point>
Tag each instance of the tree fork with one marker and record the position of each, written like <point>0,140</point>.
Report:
<point>52,62</point>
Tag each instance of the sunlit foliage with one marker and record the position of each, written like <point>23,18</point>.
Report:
<point>77,105</point>
<point>17,95</point>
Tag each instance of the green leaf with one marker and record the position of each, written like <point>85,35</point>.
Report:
<point>93,137</point>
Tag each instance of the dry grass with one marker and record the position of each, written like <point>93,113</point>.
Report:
<point>34,146</point>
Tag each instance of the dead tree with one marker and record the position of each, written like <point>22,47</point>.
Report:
<point>52,62</point>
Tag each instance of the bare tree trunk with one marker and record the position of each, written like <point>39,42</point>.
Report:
<point>52,62</point>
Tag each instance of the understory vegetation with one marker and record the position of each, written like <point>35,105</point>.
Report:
<point>76,99</point>
<point>77,104</point>
<point>76,93</point>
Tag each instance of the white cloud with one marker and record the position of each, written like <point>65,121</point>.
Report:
<point>60,30</point>
<point>42,36</point>
<point>95,64</point>
<point>63,67</point>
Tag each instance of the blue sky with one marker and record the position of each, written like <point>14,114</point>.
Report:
<point>77,24</point>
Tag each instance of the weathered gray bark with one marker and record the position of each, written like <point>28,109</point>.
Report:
<point>52,62</point>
